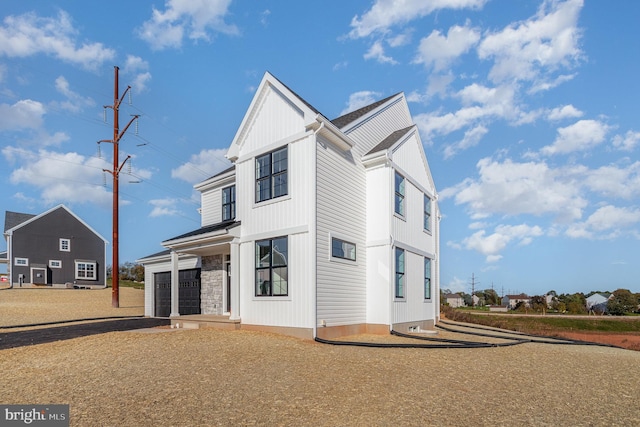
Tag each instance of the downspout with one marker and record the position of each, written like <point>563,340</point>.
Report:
<point>314,230</point>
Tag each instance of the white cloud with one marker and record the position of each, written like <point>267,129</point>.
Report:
<point>471,138</point>
<point>164,207</point>
<point>626,142</point>
<point>605,223</point>
<point>28,34</point>
<point>529,50</point>
<point>614,181</point>
<point>386,13</point>
<point>75,102</point>
<point>202,165</point>
<point>60,177</point>
<point>564,112</point>
<point>510,188</point>
<point>440,51</point>
<point>491,245</point>
<point>580,136</point>
<point>360,99</point>
<point>376,52</point>
<point>24,114</point>
<point>195,18</point>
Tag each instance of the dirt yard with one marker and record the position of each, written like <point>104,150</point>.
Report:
<point>208,377</point>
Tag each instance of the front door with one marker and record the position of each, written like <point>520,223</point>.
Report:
<point>39,276</point>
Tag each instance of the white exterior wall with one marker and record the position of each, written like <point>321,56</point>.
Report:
<point>370,132</point>
<point>211,206</point>
<point>160,266</point>
<point>293,310</point>
<point>379,258</point>
<point>341,213</point>
<point>278,124</point>
<point>409,234</point>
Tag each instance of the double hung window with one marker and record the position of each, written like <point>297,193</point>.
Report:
<point>272,275</point>
<point>400,267</point>
<point>399,194</point>
<point>85,270</point>
<point>427,278</point>
<point>271,175</point>
<point>229,203</point>
<point>65,245</point>
<point>427,213</point>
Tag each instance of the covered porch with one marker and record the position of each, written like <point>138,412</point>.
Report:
<point>217,247</point>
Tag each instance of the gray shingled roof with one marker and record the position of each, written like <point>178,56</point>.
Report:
<point>12,219</point>
<point>207,229</point>
<point>390,140</point>
<point>342,121</point>
<point>229,169</point>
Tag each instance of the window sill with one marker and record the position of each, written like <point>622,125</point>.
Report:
<point>401,217</point>
<point>271,201</point>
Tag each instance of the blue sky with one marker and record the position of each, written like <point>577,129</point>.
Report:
<point>527,111</point>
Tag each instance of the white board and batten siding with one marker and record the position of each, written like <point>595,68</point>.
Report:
<point>276,123</point>
<point>379,260</point>
<point>341,213</point>
<point>409,234</point>
<point>293,310</point>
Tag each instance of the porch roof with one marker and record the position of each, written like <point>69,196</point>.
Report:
<point>197,240</point>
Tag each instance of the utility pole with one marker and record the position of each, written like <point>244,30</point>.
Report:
<point>473,289</point>
<point>117,167</point>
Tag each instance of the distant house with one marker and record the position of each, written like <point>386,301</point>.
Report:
<point>511,301</point>
<point>320,228</point>
<point>54,248</point>
<point>454,300</point>
<point>598,302</point>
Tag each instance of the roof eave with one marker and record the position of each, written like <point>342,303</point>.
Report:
<point>328,130</point>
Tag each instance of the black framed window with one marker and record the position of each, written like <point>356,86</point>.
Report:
<point>272,275</point>
<point>399,273</point>
<point>229,203</point>
<point>271,175</point>
<point>343,249</point>
<point>427,213</point>
<point>427,278</point>
<point>399,194</point>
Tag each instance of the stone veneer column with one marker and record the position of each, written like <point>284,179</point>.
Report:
<point>212,281</point>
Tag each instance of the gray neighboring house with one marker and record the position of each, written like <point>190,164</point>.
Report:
<point>55,248</point>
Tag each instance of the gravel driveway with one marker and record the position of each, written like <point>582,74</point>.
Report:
<point>209,377</point>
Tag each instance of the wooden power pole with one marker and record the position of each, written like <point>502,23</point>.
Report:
<point>117,167</point>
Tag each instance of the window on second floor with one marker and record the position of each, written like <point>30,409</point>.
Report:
<point>427,213</point>
<point>271,175</point>
<point>229,203</point>
<point>23,262</point>
<point>65,245</point>
<point>399,194</point>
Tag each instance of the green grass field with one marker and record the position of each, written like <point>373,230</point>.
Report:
<point>530,324</point>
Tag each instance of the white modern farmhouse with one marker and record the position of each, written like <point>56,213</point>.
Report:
<point>321,228</point>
